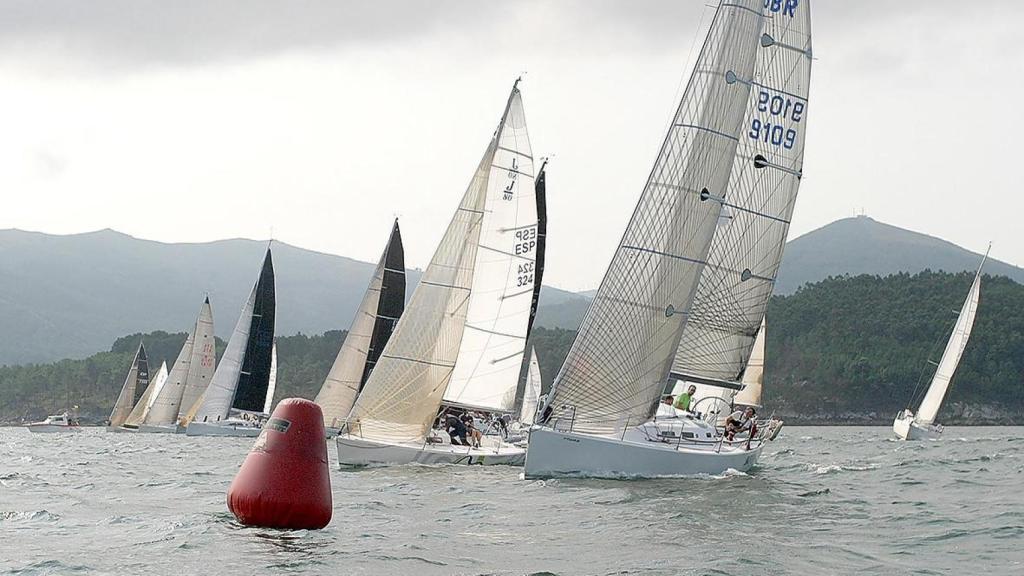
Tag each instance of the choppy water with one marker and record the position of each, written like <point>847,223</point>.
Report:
<point>823,501</point>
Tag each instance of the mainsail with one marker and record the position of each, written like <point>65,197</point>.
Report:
<point>136,381</point>
<point>371,328</point>
<point>201,367</point>
<point>142,407</point>
<point>170,399</point>
<point>619,363</point>
<point>403,393</point>
<point>243,376</point>
<point>532,393</point>
<point>744,258</point>
<point>268,404</point>
<point>505,279</point>
<point>951,356</point>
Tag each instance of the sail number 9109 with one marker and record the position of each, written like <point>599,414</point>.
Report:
<point>782,108</point>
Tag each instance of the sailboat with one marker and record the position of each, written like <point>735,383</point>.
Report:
<point>189,377</point>
<point>462,336</point>
<point>142,407</point>
<point>735,150</point>
<point>715,403</point>
<point>922,426</point>
<point>371,328</point>
<point>234,402</point>
<point>268,404</point>
<point>134,385</point>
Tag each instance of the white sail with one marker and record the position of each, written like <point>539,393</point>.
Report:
<point>215,403</point>
<point>272,387</point>
<point>486,372</point>
<point>744,258</point>
<point>619,363</point>
<point>201,364</point>
<point>403,393</point>
<point>532,393</point>
<point>378,312</point>
<point>145,402</point>
<point>929,408</point>
<point>166,402</point>
<point>138,375</point>
<point>753,376</point>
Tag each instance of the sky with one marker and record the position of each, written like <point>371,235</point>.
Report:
<point>318,122</point>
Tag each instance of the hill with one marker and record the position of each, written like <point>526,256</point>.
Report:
<point>70,296</point>
<point>861,245</point>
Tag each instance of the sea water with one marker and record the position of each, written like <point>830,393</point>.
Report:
<point>822,501</point>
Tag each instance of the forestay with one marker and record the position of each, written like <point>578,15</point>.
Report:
<point>371,328</point>
<point>745,253</point>
<point>951,356</point>
<point>490,357</point>
<point>618,365</point>
<point>404,391</point>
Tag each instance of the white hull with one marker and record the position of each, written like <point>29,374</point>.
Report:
<point>557,453</point>
<point>353,451</point>
<point>48,428</point>
<point>909,429</point>
<point>224,428</point>
<point>120,429</point>
<point>169,429</point>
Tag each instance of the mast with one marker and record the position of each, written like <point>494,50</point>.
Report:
<point>947,366</point>
<point>379,311</point>
<point>618,365</point>
<point>403,393</point>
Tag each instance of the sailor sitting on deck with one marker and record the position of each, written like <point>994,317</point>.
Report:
<point>740,421</point>
<point>456,430</point>
<point>474,434</point>
<point>685,399</point>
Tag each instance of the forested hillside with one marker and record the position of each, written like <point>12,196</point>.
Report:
<point>844,350</point>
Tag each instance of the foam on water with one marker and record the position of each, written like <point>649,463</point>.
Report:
<point>822,501</point>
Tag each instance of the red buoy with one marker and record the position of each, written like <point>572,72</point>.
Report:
<point>285,481</point>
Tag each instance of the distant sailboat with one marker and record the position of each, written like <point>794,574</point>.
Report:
<point>134,385</point>
<point>233,403</point>
<point>268,405</point>
<point>532,393</point>
<point>145,403</point>
<point>455,317</point>
<point>734,149</point>
<point>371,328</point>
<point>919,426</point>
<point>189,377</point>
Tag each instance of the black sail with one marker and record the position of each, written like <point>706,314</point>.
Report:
<point>254,379</point>
<point>542,232</point>
<point>391,303</point>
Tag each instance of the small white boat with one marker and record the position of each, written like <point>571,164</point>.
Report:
<point>922,426</point>
<point>58,423</point>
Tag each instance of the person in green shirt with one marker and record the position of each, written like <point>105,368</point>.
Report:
<point>684,399</point>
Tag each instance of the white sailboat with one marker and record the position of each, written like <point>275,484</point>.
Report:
<point>145,403</point>
<point>453,334</point>
<point>922,426</point>
<point>190,375</point>
<point>532,394</point>
<point>268,404</point>
<point>233,403</point>
<point>375,320</point>
<point>134,384</point>
<point>734,148</point>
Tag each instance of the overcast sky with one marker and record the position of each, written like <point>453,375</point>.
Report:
<point>321,120</point>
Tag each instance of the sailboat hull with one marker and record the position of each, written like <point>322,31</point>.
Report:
<point>120,429</point>
<point>354,451</point>
<point>223,428</point>
<point>169,429</point>
<point>909,429</point>
<point>48,428</point>
<point>556,453</point>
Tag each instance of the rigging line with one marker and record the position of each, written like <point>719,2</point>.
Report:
<point>706,129</point>
<point>509,254</point>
